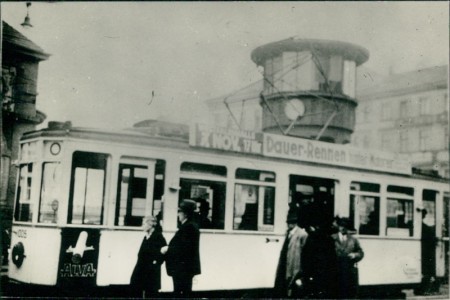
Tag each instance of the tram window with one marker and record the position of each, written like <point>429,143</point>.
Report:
<point>87,188</point>
<point>446,223</point>
<point>210,198</point>
<point>24,207</point>
<point>195,168</point>
<point>254,204</point>
<point>206,185</point>
<point>255,175</point>
<point>132,193</point>
<point>158,189</point>
<point>400,190</point>
<point>365,207</point>
<point>399,217</point>
<point>50,193</point>
<point>400,211</point>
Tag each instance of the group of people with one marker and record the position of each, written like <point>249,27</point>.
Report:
<point>181,255</point>
<point>318,260</point>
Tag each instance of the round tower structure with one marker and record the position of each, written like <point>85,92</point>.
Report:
<point>309,87</point>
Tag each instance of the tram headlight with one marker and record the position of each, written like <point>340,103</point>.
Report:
<point>18,254</point>
<point>55,148</point>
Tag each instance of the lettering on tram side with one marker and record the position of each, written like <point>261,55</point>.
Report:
<point>77,270</point>
<point>243,141</point>
<point>342,155</point>
<point>22,233</point>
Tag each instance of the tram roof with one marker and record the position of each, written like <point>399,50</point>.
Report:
<point>148,136</point>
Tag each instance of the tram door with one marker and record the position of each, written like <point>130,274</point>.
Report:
<point>313,200</point>
<point>428,241</point>
<point>80,243</point>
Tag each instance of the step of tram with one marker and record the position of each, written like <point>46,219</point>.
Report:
<point>4,270</point>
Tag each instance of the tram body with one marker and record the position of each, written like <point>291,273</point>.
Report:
<point>81,196</point>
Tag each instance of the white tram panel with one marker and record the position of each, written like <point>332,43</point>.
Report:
<point>389,261</point>
<point>118,256</point>
<point>40,264</point>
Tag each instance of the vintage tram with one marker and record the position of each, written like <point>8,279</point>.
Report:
<point>82,194</point>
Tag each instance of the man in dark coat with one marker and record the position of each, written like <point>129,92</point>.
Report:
<point>319,264</point>
<point>183,254</point>
<point>146,275</point>
<point>349,253</point>
<point>289,263</point>
<point>428,248</point>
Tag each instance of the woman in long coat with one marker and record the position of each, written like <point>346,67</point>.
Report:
<point>146,275</point>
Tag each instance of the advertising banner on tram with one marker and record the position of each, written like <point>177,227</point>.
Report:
<point>300,149</point>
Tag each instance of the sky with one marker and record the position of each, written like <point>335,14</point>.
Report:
<point>113,64</point>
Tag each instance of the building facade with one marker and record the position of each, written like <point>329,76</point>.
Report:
<point>407,113</point>
<point>20,64</point>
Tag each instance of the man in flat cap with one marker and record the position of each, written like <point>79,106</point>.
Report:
<point>182,254</point>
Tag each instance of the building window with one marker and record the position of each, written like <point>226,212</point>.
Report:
<point>386,111</point>
<point>424,139</point>
<point>278,73</point>
<point>297,70</point>
<point>424,104</point>
<point>405,109</point>
<point>269,78</point>
<point>322,69</point>
<point>404,141</point>
<point>388,140</point>
<point>366,141</point>
<point>367,111</point>
<point>349,84</point>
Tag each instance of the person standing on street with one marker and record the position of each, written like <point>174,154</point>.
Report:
<point>183,254</point>
<point>289,263</point>
<point>428,257</point>
<point>146,277</point>
<point>349,253</point>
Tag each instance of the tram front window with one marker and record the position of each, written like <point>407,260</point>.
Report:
<point>50,193</point>
<point>24,207</point>
<point>87,188</point>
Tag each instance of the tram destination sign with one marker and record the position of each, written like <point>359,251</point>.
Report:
<point>243,141</point>
<point>334,154</point>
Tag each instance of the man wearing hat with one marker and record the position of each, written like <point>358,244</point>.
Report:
<point>182,254</point>
<point>349,253</point>
<point>289,264</point>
